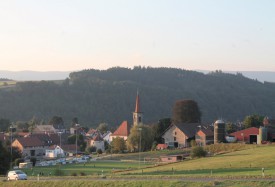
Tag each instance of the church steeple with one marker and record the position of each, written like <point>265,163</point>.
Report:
<point>137,115</point>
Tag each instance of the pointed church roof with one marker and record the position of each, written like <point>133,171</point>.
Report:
<point>137,109</point>
<point>122,130</point>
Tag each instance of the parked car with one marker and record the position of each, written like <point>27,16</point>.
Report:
<point>16,175</point>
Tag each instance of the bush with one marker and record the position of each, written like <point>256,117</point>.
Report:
<point>99,151</point>
<point>74,174</point>
<point>91,149</point>
<point>18,160</point>
<point>198,152</point>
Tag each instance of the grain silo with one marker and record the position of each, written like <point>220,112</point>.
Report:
<point>262,135</point>
<point>219,131</point>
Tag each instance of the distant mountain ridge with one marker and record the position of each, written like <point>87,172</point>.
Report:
<point>95,96</point>
<point>34,75</point>
<point>262,76</point>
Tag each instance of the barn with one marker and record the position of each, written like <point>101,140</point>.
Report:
<point>248,135</point>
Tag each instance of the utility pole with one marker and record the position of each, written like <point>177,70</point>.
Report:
<point>140,129</point>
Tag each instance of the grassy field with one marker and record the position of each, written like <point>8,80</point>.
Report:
<point>91,168</point>
<point>240,163</point>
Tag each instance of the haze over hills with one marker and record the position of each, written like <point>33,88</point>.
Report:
<point>95,96</point>
<point>262,76</point>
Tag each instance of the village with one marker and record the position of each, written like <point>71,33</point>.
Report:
<point>49,146</point>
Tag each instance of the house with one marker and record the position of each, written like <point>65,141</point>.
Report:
<point>204,137</point>
<point>49,129</point>
<point>161,146</point>
<point>30,146</point>
<point>122,131</point>
<point>91,133</point>
<point>54,151</point>
<point>70,149</point>
<point>180,135</point>
<point>248,135</point>
<point>97,142</point>
<point>106,136</point>
<point>36,144</point>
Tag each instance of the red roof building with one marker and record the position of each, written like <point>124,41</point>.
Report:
<point>122,131</point>
<point>248,135</point>
<point>204,137</point>
<point>161,146</point>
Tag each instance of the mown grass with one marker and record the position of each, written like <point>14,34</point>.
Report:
<point>132,183</point>
<point>245,162</point>
<point>90,168</point>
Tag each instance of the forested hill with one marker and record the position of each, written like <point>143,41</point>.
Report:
<point>95,96</point>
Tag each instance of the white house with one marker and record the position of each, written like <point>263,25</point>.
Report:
<point>106,136</point>
<point>97,142</point>
<point>54,152</point>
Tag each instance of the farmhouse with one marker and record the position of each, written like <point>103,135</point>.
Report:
<point>204,137</point>
<point>180,135</point>
<point>30,146</point>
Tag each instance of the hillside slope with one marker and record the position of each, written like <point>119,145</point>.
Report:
<point>96,96</point>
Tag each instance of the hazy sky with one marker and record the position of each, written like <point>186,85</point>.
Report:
<point>70,35</point>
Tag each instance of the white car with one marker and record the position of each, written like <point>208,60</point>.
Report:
<point>17,175</point>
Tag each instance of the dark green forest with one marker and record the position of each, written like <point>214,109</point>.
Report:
<point>96,96</point>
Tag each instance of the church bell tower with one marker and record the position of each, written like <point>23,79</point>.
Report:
<point>137,115</point>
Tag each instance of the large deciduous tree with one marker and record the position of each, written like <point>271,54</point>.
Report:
<point>159,128</point>
<point>186,111</point>
<point>253,121</point>
<point>118,145</point>
<point>102,128</point>
<point>4,160</point>
<point>140,134</point>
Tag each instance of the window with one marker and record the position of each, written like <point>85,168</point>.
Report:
<point>175,138</point>
<point>175,133</point>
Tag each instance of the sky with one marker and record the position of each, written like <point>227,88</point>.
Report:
<point>69,35</point>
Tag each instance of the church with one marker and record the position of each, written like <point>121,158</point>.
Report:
<point>123,131</point>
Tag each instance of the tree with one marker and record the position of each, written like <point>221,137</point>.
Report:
<point>102,128</point>
<point>4,160</point>
<point>74,121</point>
<point>80,141</point>
<point>56,120</point>
<point>118,145</point>
<point>145,136</point>
<point>230,127</point>
<point>198,152</point>
<point>253,121</point>
<point>4,125</point>
<point>159,128</point>
<point>186,111</point>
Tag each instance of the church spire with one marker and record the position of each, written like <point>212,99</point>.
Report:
<point>137,115</point>
<point>137,109</point>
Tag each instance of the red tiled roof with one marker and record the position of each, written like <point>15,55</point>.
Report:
<point>31,141</point>
<point>91,131</point>
<point>98,138</point>
<point>122,130</point>
<point>69,147</point>
<point>137,109</point>
<point>162,146</point>
<point>207,132</point>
